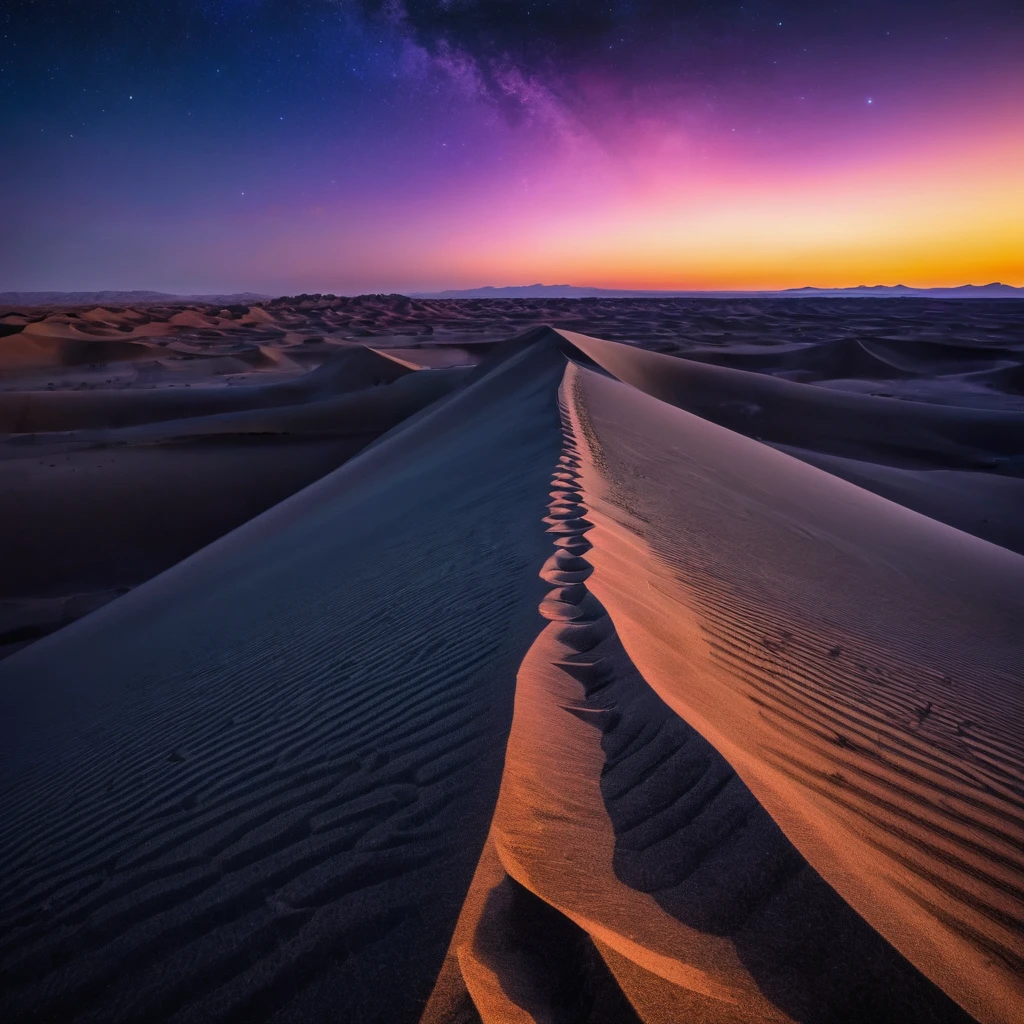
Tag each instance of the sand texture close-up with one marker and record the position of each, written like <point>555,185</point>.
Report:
<point>565,660</point>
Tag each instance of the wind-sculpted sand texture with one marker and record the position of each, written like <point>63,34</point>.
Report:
<point>857,664</point>
<point>683,728</point>
<point>259,785</point>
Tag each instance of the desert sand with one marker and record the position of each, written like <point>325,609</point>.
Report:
<point>553,660</point>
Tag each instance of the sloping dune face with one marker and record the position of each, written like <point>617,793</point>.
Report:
<point>41,411</point>
<point>566,700</point>
<point>859,666</point>
<point>257,787</point>
<point>104,489</point>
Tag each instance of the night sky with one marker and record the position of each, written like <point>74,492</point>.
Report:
<point>352,145</point>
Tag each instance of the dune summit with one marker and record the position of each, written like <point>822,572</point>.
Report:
<point>521,675</point>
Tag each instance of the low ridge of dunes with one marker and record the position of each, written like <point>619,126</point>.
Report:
<point>567,699</point>
<point>351,369</point>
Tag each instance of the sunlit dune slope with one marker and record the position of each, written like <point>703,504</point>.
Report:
<point>858,664</point>
<point>629,873</point>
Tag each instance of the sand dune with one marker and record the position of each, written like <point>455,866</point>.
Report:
<point>772,409</point>
<point>573,696</point>
<point>885,743</point>
<point>986,505</point>
<point>26,351</point>
<point>855,357</point>
<point>927,328</point>
<point>847,357</point>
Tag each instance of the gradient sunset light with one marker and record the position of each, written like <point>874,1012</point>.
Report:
<point>360,146</point>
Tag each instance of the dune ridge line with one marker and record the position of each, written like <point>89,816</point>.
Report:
<point>614,822</point>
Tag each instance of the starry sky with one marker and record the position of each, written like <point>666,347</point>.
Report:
<point>409,145</point>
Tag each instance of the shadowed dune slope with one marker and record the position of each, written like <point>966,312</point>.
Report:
<point>771,409</point>
<point>847,357</point>
<point>37,411</point>
<point>988,505</point>
<point>256,787</point>
<point>858,665</point>
<point>86,514</point>
<point>28,350</point>
<point>368,411</point>
<point>868,359</point>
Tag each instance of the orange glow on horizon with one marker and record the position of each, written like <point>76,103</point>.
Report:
<point>939,217</point>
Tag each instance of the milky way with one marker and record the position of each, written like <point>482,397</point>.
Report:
<point>347,146</point>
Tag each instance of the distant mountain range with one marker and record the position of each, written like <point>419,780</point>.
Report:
<point>963,291</point>
<point>529,291</point>
<point>568,291</point>
<point>118,298</point>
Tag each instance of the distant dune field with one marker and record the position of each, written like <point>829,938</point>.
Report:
<point>558,660</point>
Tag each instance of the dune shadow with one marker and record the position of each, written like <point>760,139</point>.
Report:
<point>689,833</point>
<point>544,962</point>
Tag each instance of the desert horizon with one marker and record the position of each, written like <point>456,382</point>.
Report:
<point>73,298</point>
